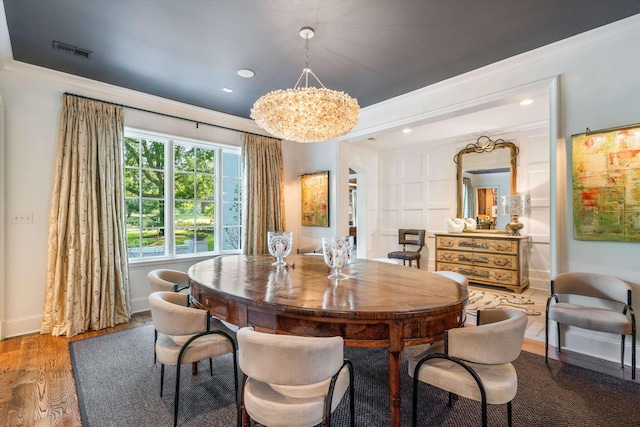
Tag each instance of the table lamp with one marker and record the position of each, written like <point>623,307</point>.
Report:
<point>515,205</point>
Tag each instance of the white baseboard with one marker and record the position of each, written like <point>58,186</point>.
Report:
<point>21,326</point>
<point>539,284</point>
<point>599,345</point>
<point>139,305</point>
<point>29,325</point>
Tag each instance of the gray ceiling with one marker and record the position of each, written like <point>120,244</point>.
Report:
<point>188,50</point>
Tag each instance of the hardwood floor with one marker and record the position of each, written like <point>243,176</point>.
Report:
<point>37,387</point>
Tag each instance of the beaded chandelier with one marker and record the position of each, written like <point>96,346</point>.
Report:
<point>306,114</point>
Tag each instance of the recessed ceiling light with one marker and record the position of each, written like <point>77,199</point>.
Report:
<point>526,102</point>
<point>406,130</point>
<point>246,73</point>
<point>227,89</point>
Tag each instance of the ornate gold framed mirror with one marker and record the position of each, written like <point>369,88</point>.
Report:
<point>484,157</point>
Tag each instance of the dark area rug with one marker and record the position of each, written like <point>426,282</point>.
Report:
<point>118,385</point>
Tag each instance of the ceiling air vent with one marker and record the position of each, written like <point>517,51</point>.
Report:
<point>71,49</point>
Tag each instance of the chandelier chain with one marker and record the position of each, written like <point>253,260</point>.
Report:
<point>306,52</point>
<point>306,71</point>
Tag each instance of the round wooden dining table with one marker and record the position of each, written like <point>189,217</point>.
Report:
<point>380,305</point>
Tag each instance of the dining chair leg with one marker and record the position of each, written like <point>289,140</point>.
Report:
<point>622,353</point>
<point>484,414</point>
<point>414,406</point>
<point>633,353</point>
<point>177,396</point>
<point>509,414</point>
<point>161,378</point>
<point>546,338</point>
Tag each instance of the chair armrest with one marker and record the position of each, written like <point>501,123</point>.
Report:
<point>632,314</point>
<point>206,333</point>
<point>457,361</point>
<point>554,297</point>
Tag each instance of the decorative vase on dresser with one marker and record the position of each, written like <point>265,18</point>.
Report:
<point>490,259</point>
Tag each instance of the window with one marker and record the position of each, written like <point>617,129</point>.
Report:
<point>182,197</point>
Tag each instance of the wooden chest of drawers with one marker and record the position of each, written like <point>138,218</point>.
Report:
<point>489,259</point>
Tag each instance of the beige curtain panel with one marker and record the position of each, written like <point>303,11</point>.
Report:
<point>87,273</point>
<point>263,193</point>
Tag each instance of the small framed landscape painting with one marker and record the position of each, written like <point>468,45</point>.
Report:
<point>315,199</point>
<point>606,185</point>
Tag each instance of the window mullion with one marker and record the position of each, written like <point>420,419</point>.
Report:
<point>169,198</point>
<point>217,179</point>
<point>195,197</point>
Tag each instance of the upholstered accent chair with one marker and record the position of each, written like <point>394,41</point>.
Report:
<point>410,237</point>
<point>188,335</point>
<point>474,362</point>
<point>293,381</point>
<point>604,305</point>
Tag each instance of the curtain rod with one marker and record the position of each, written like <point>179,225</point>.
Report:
<point>197,122</point>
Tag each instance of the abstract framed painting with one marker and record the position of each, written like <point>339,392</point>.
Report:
<point>605,172</point>
<point>315,199</point>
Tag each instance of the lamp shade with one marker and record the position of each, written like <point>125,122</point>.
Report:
<point>516,204</point>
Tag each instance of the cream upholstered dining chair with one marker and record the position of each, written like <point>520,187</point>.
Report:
<point>186,335</point>
<point>474,362</point>
<point>166,280</point>
<point>293,381</point>
<point>409,237</point>
<point>605,306</point>
<point>457,277</point>
<point>461,280</point>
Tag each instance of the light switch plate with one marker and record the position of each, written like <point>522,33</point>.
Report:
<point>22,218</point>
